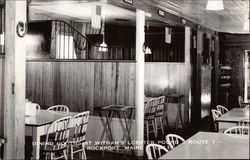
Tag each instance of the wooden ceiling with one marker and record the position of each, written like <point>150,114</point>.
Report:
<point>231,19</point>
<point>80,11</point>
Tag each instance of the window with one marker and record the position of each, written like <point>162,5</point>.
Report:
<point>65,47</point>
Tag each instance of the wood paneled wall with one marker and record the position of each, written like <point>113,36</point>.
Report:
<point>85,85</point>
<point>80,85</point>
<point>232,51</point>
<point>1,94</point>
<point>205,90</point>
<point>165,78</point>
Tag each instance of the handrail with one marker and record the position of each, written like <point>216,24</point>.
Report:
<point>79,33</point>
<point>69,43</point>
<point>75,30</point>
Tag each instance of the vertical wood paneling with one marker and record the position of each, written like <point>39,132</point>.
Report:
<point>205,90</point>
<point>80,85</point>
<point>85,85</point>
<point>165,78</point>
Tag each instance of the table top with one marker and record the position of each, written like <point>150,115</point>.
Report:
<point>174,95</point>
<point>211,145</point>
<point>44,117</point>
<point>235,115</point>
<point>117,108</point>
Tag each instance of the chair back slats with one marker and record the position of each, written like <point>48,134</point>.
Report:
<point>238,130</point>
<point>222,109</point>
<point>79,124</point>
<point>244,122</point>
<point>216,114</point>
<point>59,108</point>
<point>160,106</point>
<point>173,140</point>
<point>150,109</point>
<point>154,151</point>
<point>57,134</point>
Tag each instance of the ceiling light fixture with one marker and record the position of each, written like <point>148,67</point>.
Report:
<point>146,48</point>
<point>215,5</point>
<point>103,47</point>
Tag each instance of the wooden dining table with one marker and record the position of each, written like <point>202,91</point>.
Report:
<point>231,118</point>
<point>211,145</point>
<point>37,125</point>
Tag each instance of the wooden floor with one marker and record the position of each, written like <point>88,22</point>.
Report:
<point>206,125</point>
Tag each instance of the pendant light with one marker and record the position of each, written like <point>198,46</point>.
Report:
<point>215,5</point>
<point>103,46</point>
<point>146,48</point>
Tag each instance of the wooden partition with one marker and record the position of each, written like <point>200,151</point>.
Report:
<point>84,85</point>
<point>80,85</point>
<point>168,78</point>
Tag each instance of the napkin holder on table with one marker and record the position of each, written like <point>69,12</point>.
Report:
<point>30,109</point>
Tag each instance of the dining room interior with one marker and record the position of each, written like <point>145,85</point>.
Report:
<point>124,79</point>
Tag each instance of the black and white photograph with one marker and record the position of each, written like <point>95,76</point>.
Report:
<point>124,79</point>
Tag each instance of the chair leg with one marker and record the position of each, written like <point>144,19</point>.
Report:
<point>156,127</point>
<point>71,151</point>
<point>147,130</point>
<point>83,152</point>
<point>65,154</point>
<point>162,128</point>
<point>51,155</point>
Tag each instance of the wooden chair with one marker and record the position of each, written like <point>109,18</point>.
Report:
<point>78,124</point>
<point>216,114</point>
<point>247,107</point>
<point>149,117</point>
<point>159,115</point>
<point>173,140</point>
<point>238,130</point>
<point>56,141</point>
<point>59,108</point>
<point>154,151</point>
<point>222,109</point>
<point>244,122</point>
<point>38,108</point>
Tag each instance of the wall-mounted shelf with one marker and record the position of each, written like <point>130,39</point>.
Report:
<point>225,83</point>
